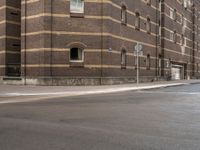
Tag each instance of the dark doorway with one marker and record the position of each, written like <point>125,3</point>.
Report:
<point>13,38</point>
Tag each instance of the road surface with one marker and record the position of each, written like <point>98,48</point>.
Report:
<point>159,119</point>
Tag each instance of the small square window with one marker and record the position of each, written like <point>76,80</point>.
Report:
<point>77,6</point>
<point>76,54</point>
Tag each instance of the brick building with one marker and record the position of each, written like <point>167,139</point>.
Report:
<point>68,42</point>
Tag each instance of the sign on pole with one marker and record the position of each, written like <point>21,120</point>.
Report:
<point>138,52</point>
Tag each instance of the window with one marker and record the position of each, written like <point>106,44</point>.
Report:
<point>175,37</point>
<point>182,40</point>
<point>172,36</point>
<point>184,22</point>
<point>76,55</point>
<point>148,25</point>
<point>189,3</point>
<point>181,19</point>
<point>185,41</point>
<point>173,14</point>
<point>77,6</point>
<point>148,62</point>
<point>160,5</point>
<point>137,21</point>
<point>159,61</point>
<point>123,59</point>
<point>148,2</point>
<point>185,3</point>
<point>123,15</point>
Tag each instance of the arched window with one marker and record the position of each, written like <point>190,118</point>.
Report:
<point>175,37</point>
<point>123,15</point>
<point>148,25</point>
<point>182,18</point>
<point>137,20</point>
<point>148,2</point>
<point>123,59</point>
<point>182,40</point>
<point>174,14</point>
<point>148,62</point>
<point>77,6</point>
<point>76,54</point>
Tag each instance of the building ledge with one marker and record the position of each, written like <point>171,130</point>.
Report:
<point>12,78</point>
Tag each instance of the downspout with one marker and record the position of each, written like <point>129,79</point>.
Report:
<point>25,41</point>
<point>157,40</point>
<point>51,44</point>
<point>101,74</point>
<point>162,23</point>
<point>193,38</point>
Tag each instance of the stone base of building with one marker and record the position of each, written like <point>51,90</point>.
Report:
<point>73,81</point>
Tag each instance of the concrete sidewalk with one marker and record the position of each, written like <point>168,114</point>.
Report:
<point>15,90</point>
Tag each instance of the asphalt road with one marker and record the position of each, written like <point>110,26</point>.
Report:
<point>160,119</point>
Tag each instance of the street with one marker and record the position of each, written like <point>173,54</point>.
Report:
<point>156,119</point>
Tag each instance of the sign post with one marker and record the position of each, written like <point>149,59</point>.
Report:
<point>138,52</point>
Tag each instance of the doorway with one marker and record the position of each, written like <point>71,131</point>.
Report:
<point>13,40</point>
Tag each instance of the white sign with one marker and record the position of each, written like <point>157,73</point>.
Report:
<point>138,47</point>
<point>138,52</point>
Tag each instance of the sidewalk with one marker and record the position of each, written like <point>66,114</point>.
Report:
<point>18,90</point>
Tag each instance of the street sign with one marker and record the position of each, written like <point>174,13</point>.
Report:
<point>138,47</point>
<point>138,52</point>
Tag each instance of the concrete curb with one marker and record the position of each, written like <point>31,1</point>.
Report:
<point>99,91</point>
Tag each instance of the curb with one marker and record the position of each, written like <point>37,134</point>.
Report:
<point>100,91</point>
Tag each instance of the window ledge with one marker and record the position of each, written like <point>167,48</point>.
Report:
<point>77,15</point>
<point>123,67</point>
<point>123,23</point>
<point>137,28</point>
<point>76,64</point>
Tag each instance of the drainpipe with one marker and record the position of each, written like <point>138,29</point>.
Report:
<point>101,42</point>
<point>162,23</point>
<point>193,38</point>
<point>157,4</point>
<point>51,44</point>
<point>25,40</point>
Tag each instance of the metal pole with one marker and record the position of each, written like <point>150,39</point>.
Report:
<point>137,67</point>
